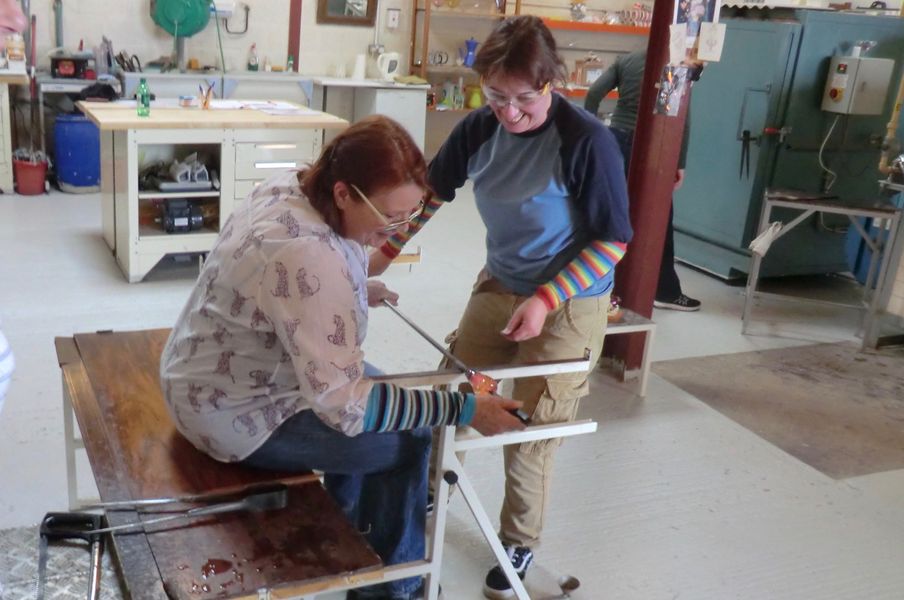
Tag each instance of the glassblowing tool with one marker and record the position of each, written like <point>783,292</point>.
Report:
<point>481,384</point>
<point>273,497</point>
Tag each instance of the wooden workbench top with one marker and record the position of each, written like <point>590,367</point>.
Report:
<point>113,117</point>
<point>13,78</point>
<point>112,380</point>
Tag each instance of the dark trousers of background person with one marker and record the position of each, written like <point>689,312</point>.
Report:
<point>669,286</point>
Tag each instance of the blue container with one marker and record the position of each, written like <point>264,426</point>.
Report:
<point>77,144</point>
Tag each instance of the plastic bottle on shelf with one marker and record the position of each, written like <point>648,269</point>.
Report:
<point>252,58</point>
<point>143,98</point>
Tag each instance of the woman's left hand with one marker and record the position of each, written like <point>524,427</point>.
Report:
<point>377,292</point>
<point>528,320</point>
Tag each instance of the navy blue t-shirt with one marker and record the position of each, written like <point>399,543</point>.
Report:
<point>543,195</point>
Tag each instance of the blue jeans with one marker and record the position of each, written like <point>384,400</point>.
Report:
<point>378,479</point>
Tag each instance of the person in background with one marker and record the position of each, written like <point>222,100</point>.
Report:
<point>264,365</point>
<point>626,74</point>
<point>549,184</point>
<point>12,20</point>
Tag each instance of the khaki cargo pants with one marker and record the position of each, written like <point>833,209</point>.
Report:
<point>576,325</point>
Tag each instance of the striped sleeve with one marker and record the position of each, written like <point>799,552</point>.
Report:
<point>393,408</point>
<point>591,265</point>
<point>393,245</point>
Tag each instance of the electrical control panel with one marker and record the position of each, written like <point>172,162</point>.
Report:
<point>857,85</point>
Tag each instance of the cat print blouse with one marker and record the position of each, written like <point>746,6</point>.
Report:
<point>273,326</point>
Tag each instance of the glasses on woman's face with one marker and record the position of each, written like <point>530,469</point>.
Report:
<point>520,101</point>
<point>390,226</point>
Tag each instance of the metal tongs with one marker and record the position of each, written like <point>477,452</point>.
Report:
<point>481,383</point>
<point>255,498</point>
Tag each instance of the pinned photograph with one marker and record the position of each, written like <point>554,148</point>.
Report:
<point>693,13</point>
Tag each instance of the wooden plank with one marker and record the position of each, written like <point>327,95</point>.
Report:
<point>133,552</point>
<point>136,452</point>
<point>110,117</point>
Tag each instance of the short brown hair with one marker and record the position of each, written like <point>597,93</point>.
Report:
<point>521,47</point>
<point>374,154</point>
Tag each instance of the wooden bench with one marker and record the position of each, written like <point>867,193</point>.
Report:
<point>110,381</point>
<point>110,384</point>
<point>631,322</point>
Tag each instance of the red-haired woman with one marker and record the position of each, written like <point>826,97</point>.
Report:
<point>264,365</point>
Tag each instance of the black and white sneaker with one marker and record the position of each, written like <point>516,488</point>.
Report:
<point>496,585</point>
<point>682,303</point>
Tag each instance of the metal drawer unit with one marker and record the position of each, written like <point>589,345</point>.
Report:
<point>256,160</point>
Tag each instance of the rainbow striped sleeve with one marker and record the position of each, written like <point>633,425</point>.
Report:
<point>393,408</point>
<point>588,267</point>
<point>393,245</point>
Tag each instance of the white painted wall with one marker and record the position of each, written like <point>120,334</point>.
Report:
<point>128,24</point>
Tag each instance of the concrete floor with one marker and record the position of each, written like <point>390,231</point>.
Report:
<point>669,499</point>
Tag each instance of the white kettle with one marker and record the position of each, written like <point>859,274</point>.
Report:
<point>389,64</point>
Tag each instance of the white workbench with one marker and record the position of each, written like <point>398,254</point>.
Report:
<point>354,99</point>
<point>6,150</point>
<point>244,146</point>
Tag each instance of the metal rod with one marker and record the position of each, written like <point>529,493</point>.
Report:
<point>452,358</point>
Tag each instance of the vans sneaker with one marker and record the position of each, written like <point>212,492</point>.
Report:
<point>496,585</point>
<point>682,302</point>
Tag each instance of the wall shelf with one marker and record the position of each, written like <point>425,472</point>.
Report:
<point>581,92</point>
<point>451,69</point>
<point>595,27</point>
<point>462,14</point>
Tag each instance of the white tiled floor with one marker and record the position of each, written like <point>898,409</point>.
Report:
<point>668,500</point>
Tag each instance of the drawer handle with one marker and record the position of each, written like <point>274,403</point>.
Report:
<point>275,165</point>
<point>276,146</point>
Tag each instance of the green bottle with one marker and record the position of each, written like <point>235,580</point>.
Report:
<point>290,64</point>
<point>143,97</point>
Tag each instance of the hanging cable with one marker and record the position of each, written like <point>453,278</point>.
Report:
<point>830,181</point>
<point>222,57</point>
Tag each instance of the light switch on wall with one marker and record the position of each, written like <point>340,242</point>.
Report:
<point>392,18</point>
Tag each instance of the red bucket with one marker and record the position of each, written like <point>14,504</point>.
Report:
<point>29,176</point>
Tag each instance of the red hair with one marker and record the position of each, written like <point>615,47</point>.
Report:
<point>374,154</point>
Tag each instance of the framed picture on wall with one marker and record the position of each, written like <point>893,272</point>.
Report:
<point>587,70</point>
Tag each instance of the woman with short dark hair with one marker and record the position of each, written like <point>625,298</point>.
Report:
<point>550,187</point>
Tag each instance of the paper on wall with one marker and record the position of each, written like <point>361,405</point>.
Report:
<point>712,39</point>
<point>677,43</point>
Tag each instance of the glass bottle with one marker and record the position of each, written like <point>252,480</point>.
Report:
<point>143,97</point>
<point>252,58</point>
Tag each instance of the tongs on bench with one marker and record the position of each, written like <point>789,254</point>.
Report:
<point>256,498</point>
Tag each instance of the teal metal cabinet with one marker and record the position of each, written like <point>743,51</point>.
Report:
<point>771,77</point>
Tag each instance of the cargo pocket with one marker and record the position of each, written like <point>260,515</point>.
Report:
<point>558,403</point>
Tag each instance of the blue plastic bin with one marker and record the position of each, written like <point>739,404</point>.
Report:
<point>77,146</point>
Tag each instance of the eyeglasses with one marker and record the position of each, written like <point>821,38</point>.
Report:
<point>390,226</point>
<point>520,101</point>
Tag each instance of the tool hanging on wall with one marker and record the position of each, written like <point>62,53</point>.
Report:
<point>745,154</point>
<point>247,10</point>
